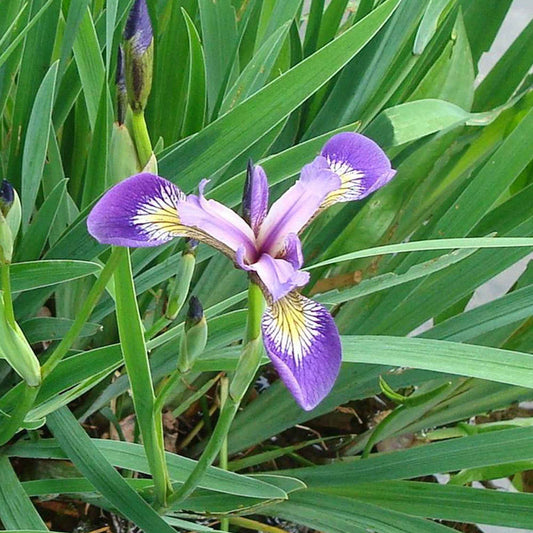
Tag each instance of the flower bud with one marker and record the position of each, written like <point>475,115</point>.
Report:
<point>122,93</point>
<point>182,281</point>
<point>15,349</point>
<point>255,197</point>
<point>194,336</point>
<point>10,217</point>
<point>122,161</point>
<point>138,51</point>
<point>7,197</point>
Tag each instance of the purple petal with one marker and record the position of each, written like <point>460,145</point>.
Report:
<point>360,163</point>
<point>297,206</point>
<point>255,197</point>
<point>225,229</point>
<point>139,27</point>
<point>279,277</point>
<point>140,211</point>
<point>303,343</point>
<point>292,251</point>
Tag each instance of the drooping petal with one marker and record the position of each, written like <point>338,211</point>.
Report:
<point>225,228</point>
<point>255,197</point>
<point>278,276</point>
<point>360,163</point>
<point>303,343</point>
<point>140,211</point>
<point>297,206</point>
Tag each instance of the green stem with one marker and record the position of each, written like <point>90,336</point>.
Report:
<point>137,366</point>
<point>223,459</point>
<point>84,314</point>
<point>168,387</point>
<point>141,137</point>
<point>10,426</point>
<point>244,374</point>
<point>6,289</point>
<point>161,323</point>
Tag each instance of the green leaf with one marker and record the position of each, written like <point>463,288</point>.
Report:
<point>219,35</point>
<point>16,510</point>
<point>42,329</point>
<point>518,305</point>
<point>445,502</point>
<point>391,279</point>
<point>429,23</point>
<point>34,240</point>
<point>490,448</point>
<point>35,274</point>
<point>226,138</point>
<point>336,514</point>
<point>36,144</point>
<point>431,244</point>
<point>95,467</point>
<point>504,78</point>
<point>256,73</point>
<point>502,366</point>
<point>194,115</point>
<point>90,65</point>
<point>133,457</point>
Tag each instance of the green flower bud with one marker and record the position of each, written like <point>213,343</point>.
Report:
<point>139,52</point>
<point>16,350</point>
<point>182,282</point>
<point>122,161</point>
<point>10,217</point>
<point>194,336</point>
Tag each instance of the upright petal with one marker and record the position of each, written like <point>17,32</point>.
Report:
<point>255,197</point>
<point>303,343</point>
<point>297,206</point>
<point>360,163</point>
<point>225,228</point>
<point>140,211</point>
<point>278,276</point>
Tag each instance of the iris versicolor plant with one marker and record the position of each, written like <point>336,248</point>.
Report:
<point>299,334</point>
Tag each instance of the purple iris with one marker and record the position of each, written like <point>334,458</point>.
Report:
<point>299,334</point>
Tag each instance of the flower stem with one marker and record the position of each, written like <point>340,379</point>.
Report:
<point>223,459</point>
<point>137,366</point>
<point>6,290</point>
<point>141,137</point>
<point>244,374</point>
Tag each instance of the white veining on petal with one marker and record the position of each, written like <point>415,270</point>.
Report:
<point>293,324</point>
<point>351,182</point>
<point>157,215</point>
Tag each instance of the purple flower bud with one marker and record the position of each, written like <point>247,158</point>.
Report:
<point>138,27</point>
<point>122,94</point>
<point>7,197</point>
<point>194,314</point>
<point>138,51</point>
<point>255,196</point>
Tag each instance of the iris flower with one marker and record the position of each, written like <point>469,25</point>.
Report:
<point>299,335</point>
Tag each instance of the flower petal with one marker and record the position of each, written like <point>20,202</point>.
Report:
<point>360,163</point>
<point>303,343</point>
<point>297,206</point>
<point>278,276</point>
<point>139,211</point>
<point>255,197</point>
<point>225,229</point>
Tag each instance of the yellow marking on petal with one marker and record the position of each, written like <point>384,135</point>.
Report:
<point>351,184</point>
<point>157,216</point>
<point>292,324</point>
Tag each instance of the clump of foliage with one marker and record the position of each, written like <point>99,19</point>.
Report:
<point>143,368</point>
